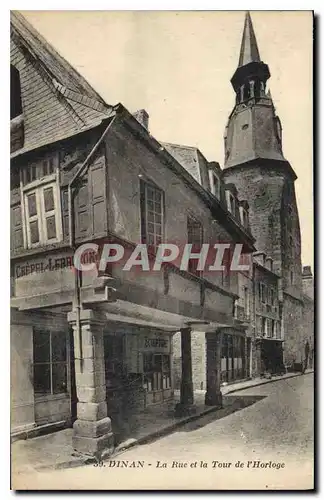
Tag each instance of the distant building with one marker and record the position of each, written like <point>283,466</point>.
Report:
<point>308,315</point>
<point>269,334</point>
<point>255,163</point>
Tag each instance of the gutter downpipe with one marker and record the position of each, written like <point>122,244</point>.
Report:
<point>78,276</point>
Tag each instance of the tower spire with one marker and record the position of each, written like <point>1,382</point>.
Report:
<point>250,67</point>
<point>249,48</point>
<point>253,130</point>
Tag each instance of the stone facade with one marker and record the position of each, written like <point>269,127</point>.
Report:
<point>254,162</point>
<point>113,334</point>
<point>84,172</point>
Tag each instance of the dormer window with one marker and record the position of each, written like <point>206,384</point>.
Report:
<point>230,202</point>
<point>15,93</point>
<point>16,112</point>
<point>214,183</point>
<point>244,217</point>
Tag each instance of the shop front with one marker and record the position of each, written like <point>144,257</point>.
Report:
<point>233,359</point>
<point>138,369</point>
<point>272,357</point>
<point>149,354</point>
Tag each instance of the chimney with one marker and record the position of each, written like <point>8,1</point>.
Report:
<point>142,117</point>
<point>308,281</point>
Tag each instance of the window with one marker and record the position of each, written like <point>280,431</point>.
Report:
<point>272,296</point>
<point>42,216</point>
<point>244,217</point>
<point>214,184</point>
<point>272,328</point>
<point>231,203</point>
<point>37,170</point>
<point>157,372</point>
<point>264,326</point>
<point>246,302</point>
<point>291,277</point>
<point>195,237</point>
<point>152,214</point>
<point>263,292</point>
<point>50,362</point>
<point>15,93</point>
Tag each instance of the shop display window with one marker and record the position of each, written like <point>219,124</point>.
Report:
<point>157,372</point>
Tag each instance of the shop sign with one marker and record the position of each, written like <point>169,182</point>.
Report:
<point>157,343</point>
<point>43,265</point>
<point>43,274</point>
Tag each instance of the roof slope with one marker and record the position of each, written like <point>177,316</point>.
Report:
<point>54,62</point>
<point>249,48</point>
<point>187,156</point>
<point>57,101</point>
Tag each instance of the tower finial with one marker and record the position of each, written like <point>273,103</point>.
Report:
<point>249,48</point>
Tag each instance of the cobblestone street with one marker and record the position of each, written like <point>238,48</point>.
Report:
<point>277,429</point>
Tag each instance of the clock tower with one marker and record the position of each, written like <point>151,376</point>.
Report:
<point>255,163</point>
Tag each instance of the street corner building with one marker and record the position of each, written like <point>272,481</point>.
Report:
<point>96,350</point>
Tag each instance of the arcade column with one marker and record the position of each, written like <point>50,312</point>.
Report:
<point>92,434</point>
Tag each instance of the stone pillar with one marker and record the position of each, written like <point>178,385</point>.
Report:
<point>92,434</point>
<point>186,405</point>
<point>213,396</point>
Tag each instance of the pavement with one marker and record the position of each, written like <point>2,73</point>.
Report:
<point>54,451</point>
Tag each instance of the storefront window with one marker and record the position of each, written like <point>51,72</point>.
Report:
<point>50,362</point>
<point>157,372</point>
<point>233,358</point>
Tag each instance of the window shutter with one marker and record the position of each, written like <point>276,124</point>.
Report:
<point>81,208</point>
<point>98,203</point>
<point>17,240</point>
<point>65,213</point>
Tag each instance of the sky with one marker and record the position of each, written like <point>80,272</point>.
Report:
<point>178,66</point>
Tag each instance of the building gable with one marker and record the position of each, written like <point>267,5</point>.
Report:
<point>56,100</point>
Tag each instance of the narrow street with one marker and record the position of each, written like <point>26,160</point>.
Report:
<point>278,428</point>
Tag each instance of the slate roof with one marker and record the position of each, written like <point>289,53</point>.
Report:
<point>187,156</point>
<point>78,107</point>
<point>54,62</point>
<point>249,48</point>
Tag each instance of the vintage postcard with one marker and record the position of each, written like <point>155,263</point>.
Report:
<point>162,305</point>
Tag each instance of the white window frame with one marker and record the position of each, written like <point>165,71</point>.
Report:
<point>274,324</point>
<point>212,178</point>
<point>145,185</point>
<point>264,321</point>
<point>38,188</point>
<point>244,215</point>
<point>246,302</point>
<point>230,198</point>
